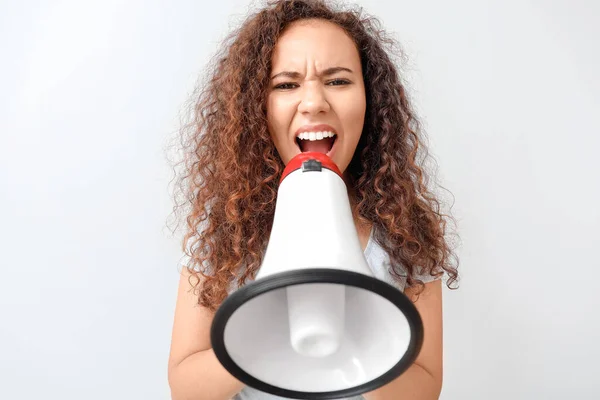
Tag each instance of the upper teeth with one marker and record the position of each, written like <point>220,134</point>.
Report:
<point>315,135</point>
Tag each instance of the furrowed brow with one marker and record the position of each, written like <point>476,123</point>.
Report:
<point>296,75</point>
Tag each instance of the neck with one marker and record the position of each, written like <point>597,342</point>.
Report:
<point>361,225</point>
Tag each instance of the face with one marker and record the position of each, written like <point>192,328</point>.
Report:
<point>316,99</point>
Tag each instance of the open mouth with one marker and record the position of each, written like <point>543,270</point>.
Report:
<point>316,141</point>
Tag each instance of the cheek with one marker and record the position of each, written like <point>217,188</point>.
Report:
<point>277,119</point>
<point>354,119</point>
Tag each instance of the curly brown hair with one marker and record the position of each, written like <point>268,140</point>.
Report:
<point>231,169</point>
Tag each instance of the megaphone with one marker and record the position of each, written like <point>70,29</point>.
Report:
<point>315,323</point>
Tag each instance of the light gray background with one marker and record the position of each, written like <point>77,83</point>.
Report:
<point>90,91</point>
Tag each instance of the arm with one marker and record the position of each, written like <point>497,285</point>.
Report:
<point>195,373</point>
<point>423,379</point>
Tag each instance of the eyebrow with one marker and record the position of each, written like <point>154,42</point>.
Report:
<point>327,72</point>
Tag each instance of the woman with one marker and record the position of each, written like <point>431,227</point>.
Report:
<point>302,66</point>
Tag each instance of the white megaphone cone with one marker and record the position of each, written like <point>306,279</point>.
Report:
<point>315,323</point>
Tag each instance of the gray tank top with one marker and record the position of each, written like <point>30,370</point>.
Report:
<point>379,262</point>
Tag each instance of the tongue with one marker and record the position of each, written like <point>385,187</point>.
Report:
<point>319,146</point>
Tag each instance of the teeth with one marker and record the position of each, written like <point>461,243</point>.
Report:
<point>315,135</point>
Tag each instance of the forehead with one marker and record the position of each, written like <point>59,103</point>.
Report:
<point>317,41</point>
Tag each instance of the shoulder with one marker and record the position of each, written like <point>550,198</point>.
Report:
<point>380,264</point>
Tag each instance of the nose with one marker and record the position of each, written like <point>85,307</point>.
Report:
<point>313,100</point>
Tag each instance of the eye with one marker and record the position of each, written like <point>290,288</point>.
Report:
<point>285,86</point>
<point>291,85</point>
<point>339,82</point>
